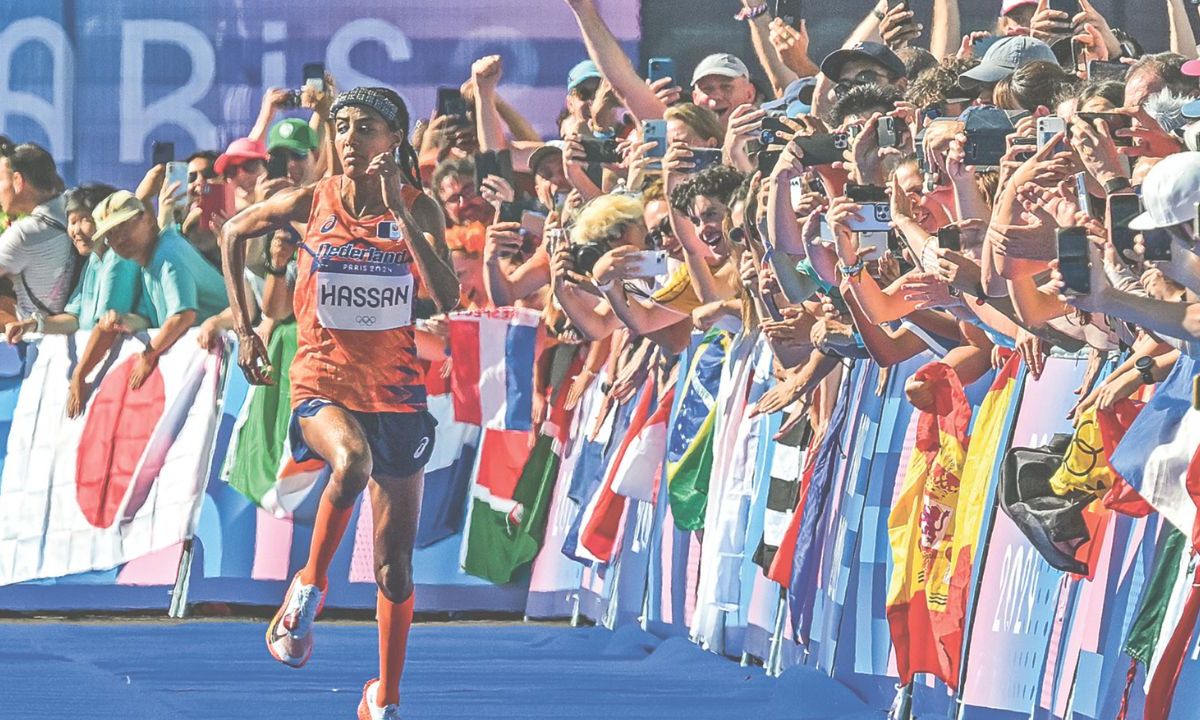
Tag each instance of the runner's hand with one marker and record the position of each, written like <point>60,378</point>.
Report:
<point>253,360</point>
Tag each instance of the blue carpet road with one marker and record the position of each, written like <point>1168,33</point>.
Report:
<point>221,671</point>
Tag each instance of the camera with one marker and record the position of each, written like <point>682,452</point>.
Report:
<point>584,256</point>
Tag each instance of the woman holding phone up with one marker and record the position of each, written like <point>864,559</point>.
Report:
<point>358,396</point>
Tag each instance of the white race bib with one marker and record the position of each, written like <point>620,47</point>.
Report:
<point>364,300</point>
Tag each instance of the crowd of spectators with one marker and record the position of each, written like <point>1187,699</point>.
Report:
<point>1033,186</point>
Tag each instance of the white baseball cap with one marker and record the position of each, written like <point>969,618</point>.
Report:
<point>723,64</point>
<point>1010,5</point>
<point>1170,192</point>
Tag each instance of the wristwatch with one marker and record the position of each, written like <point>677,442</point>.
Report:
<point>1144,365</point>
<point>1116,185</point>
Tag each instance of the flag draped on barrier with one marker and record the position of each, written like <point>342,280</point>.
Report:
<point>120,482</point>
<point>604,488</point>
<point>923,527</point>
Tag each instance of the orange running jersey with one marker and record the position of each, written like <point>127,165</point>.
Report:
<point>355,289</point>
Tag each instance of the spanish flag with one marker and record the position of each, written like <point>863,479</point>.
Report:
<point>927,635</point>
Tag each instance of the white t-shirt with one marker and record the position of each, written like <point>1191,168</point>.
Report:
<point>36,252</point>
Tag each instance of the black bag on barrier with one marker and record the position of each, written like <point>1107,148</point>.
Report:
<point>1053,524</point>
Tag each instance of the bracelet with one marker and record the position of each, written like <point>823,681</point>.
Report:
<point>276,271</point>
<point>1116,185</point>
<point>749,13</point>
<point>851,270</point>
<point>39,317</point>
<point>605,287</point>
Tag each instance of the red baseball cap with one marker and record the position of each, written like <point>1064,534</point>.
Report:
<point>239,151</point>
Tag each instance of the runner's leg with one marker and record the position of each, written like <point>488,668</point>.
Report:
<point>337,437</point>
<point>396,505</point>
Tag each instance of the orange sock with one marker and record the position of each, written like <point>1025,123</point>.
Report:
<point>395,619</point>
<point>328,529</point>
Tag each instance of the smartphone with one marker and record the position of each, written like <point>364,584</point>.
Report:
<point>772,308</point>
<point>950,238</point>
<point>658,68</point>
<point>1115,122</point>
<point>649,263</point>
<point>486,164</point>
<point>822,149</point>
<point>598,150</point>
<point>1073,260</point>
<point>1122,209</point>
<point>767,160</point>
<point>1156,245</point>
<point>876,209</point>
<point>889,136</point>
<point>1084,198</point>
<point>314,75</point>
<point>873,243</point>
<point>215,198</point>
<point>796,191</point>
<point>1070,7</point>
<point>1028,147</point>
<point>509,213</point>
<point>704,158</point>
<point>177,172</point>
<point>450,102</point>
<point>770,129</point>
<point>790,11</point>
<point>1101,70</point>
<point>277,165</point>
<point>655,131</point>
<point>533,222</point>
<point>162,153</point>
<point>985,147</point>
<point>1047,128</point>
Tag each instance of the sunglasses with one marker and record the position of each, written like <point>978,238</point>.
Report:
<point>207,174</point>
<point>658,234</point>
<point>866,77</point>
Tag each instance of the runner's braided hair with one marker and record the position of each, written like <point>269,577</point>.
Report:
<point>388,103</point>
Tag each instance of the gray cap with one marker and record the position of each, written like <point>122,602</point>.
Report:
<point>1006,55</point>
<point>722,64</point>
<point>554,147</point>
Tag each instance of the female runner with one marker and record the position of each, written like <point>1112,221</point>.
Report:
<point>358,398</point>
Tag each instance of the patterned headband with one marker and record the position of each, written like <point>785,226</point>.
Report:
<point>368,98</point>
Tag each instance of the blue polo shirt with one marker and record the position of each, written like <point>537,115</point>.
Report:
<point>178,278</point>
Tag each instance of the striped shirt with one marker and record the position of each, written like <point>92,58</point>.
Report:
<point>37,253</point>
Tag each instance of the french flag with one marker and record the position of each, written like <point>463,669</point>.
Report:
<point>494,353</point>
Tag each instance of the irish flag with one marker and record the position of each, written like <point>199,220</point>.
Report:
<point>923,529</point>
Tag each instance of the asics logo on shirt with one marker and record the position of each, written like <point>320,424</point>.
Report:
<point>421,447</point>
<point>329,224</point>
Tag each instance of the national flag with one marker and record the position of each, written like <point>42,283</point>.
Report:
<point>514,486</point>
<point>690,441</point>
<point>787,465</point>
<point>988,439</point>
<point>494,355</point>
<point>637,474</point>
<point>259,463</point>
<point>922,528</point>
<point>1114,422</point>
<point>1157,449</point>
<point>85,494</point>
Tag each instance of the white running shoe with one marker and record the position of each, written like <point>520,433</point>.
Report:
<point>289,636</point>
<point>368,710</point>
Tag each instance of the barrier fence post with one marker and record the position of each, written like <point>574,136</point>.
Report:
<point>179,593</point>
<point>774,664</point>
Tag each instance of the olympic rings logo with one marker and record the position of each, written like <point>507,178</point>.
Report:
<point>366,320</point>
